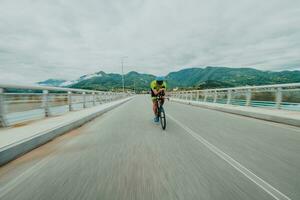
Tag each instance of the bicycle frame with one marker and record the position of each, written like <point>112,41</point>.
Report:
<point>161,112</point>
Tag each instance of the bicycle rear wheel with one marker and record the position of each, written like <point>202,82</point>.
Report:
<point>162,116</point>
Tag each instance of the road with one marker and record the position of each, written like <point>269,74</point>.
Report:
<point>203,154</point>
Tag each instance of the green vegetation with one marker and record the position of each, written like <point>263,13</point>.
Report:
<point>200,78</point>
<point>52,82</point>
<point>210,77</point>
<point>133,80</point>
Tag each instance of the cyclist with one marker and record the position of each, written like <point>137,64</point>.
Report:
<point>158,87</point>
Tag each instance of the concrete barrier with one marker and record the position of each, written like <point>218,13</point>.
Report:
<point>274,115</point>
<point>18,148</point>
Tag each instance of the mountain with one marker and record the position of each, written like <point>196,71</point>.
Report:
<point>211,84</point>
<point>52,82</point>
<point>202,78</point>
<point>103,81</point>
<point>113,81</point>
<point>83,78</point>
<point>194,77</point>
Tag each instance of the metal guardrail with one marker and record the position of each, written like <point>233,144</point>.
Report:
<point>32,101</point>
<point>280,96</point>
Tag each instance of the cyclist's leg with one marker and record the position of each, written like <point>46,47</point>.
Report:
<point>155,110</point>
<point>154,103</point>
<point>162,101</point>
<point>155,106</point>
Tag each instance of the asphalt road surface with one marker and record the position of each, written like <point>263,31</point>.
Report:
<point>124,155</point>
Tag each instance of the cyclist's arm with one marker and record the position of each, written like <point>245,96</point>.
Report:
<point>163,89</point>
<point>152,86</point>
<point>155,91</point>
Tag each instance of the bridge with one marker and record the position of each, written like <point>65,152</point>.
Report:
<point>232,143</point>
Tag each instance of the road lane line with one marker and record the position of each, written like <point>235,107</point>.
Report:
<point>263,121</point>
<point>238,166</point>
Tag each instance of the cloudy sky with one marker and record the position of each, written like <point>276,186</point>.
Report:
<point>42,39</point>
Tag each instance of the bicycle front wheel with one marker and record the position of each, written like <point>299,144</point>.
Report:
<point>162,117</point>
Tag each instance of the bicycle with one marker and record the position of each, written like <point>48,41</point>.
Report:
<point>161,111</point>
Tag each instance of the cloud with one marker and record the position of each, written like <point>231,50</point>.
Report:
<point>66,39</point>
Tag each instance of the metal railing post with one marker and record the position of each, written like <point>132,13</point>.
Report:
<point>205,96</point>
<point>186,96</point>
<point>46,103</point>
<point>100,97</point>
<point>84,99</point>
<point>197,95</point>
<point>94,99</point>
<point>215,96</point>
<point>248,97</point>
<point>3,121</point>
<point>70,100</point>
<point>229,93</point>
<point>278,97</point>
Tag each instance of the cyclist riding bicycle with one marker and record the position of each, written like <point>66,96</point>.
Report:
<point>158,87</point>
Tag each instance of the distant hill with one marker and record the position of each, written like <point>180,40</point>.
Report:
<point>52,82</point>
<point>203,78</point>
<point>113,81</point>
<point>211,84</point>
<point>193,77</point>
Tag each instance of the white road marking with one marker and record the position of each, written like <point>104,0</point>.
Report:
<point>242,169</point>
<point>266,122</point>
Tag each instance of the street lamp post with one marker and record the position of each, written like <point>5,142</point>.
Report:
<point>123,81</point>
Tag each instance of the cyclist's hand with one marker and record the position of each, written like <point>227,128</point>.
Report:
<point>161,90</point>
